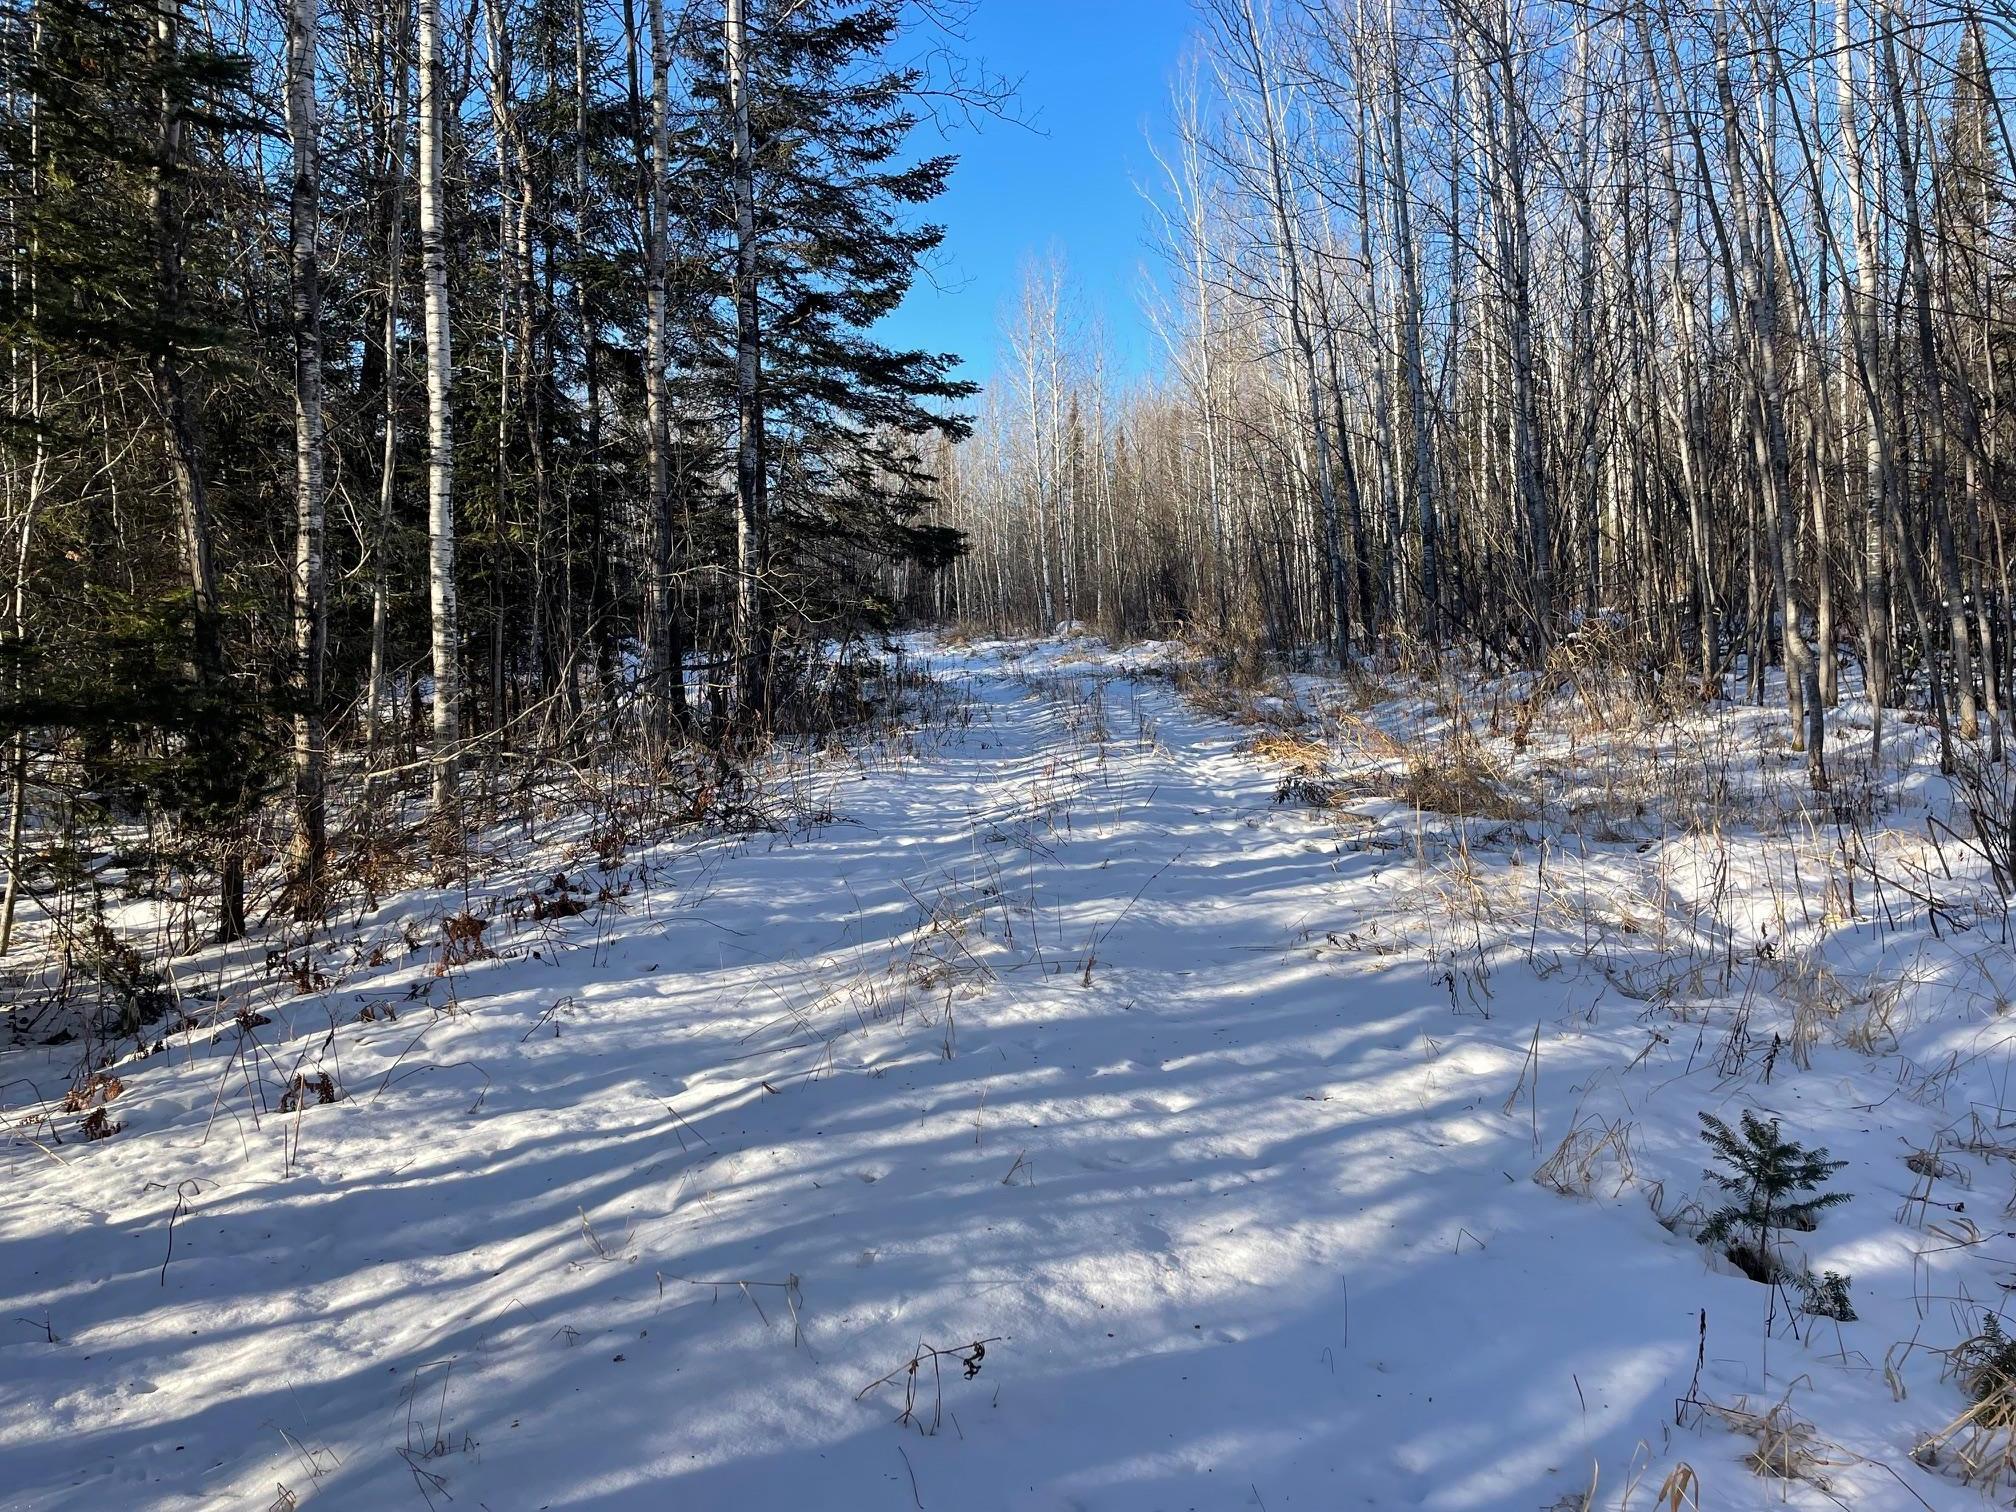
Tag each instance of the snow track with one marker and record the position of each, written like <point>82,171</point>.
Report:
<point>1060,1033</point>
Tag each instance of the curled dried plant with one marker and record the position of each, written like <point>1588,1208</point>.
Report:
<point>1584,1151</point>
<point>462,942</point>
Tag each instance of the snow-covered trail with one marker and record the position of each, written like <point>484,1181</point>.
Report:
<point>1059,1034</point>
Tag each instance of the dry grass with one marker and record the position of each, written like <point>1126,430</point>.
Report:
<point>1681,1490</point>
<point>1983,1365</point>
<point>1365,743</point>
<point>1244,706</point>
<point>1593,1146</point>
<point>1238,658</point>
<point>1298,752</point>
<point>1308,778</point>
<point>1935,1167</point>
<point>1784,1446</point>
<point>1875,1032</point>
<point>1787,1448</point>
<point>1460,778</point>
<point>1978,1447</point>
<point>1449,773</point>
<point>1607,685</point>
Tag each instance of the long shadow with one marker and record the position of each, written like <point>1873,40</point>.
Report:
<point>1249,1225</point>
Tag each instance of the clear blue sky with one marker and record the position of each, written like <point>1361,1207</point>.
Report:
<point>1093,73</point>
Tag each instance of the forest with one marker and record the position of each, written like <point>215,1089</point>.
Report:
<point>1484,328</point>
<point>393,389</point>
<point>1007,754</point>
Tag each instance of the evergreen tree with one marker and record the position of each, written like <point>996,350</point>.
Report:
<point>125,298</point>
<point>1769,1177</point>
<point>840,417</point>
<point>207,249</point>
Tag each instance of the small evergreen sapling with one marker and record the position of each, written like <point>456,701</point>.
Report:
<point>1826,1296</point>
<point>1776,1185</point>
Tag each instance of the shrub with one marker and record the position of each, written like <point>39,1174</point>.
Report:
<point>1826,1296</point>
<point>1776,1185</point>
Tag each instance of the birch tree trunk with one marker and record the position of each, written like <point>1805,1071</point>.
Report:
<point>440,413</point>
<point>1191,231</point>
<point>1278,194</point>
<point>27,274</point>
<point>751,623</point>
<point>1516,256</point>
<point>588,312</point>
<point>1689,424</point>
<point>394,34</point>
<point>1931,376</point>
<point>1861,302</point>
<point>1419,416</point>
<point>1754,283</point>
<point>310,584</point>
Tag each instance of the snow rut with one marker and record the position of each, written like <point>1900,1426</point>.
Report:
<point>1216,1120</point>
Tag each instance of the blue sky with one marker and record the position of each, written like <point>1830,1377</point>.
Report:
<point>1093,73</point>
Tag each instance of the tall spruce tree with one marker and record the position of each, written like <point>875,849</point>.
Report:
<point>128,307</point>
<point>797,189</point>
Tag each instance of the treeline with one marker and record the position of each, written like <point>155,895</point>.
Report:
<point>405,378</point>
<point>1490,324</point>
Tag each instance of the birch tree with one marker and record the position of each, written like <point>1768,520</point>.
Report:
<point>310,573</point>
<point>440,412</point>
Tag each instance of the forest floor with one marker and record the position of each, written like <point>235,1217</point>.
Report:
<point>1258,1098</point>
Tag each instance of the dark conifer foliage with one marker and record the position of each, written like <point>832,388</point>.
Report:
<point>836,246</point>
<point>177,605</point>
<point>139,644</point>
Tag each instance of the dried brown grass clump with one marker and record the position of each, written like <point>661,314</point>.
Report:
<point>1243,706</point>
<point>1582,1156</point>
<point>1979,1446</point>
<point>1970,1451</point>
<point>1984,1366</point>
<point>1609,684</point>
<point>1784,1446</point>
<point>1787,1448</point>
<point>1236,685</point>
<point>1297,752</point>
<point>1232,659</point>
<point>1363,741</point>
<point>1308,778</point>
<point>1459,778</point>
<point>1876,1030</point>
<point>1313,791</point>
<point>1451,774</point>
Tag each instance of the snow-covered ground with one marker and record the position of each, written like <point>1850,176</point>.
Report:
<point>1214,1119</point>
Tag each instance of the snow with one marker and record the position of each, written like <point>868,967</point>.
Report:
<point>1048,1026</point>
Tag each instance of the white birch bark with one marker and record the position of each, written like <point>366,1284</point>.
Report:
<point>440,412</point>
<point>310,578</point>
<point>751,630</point>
